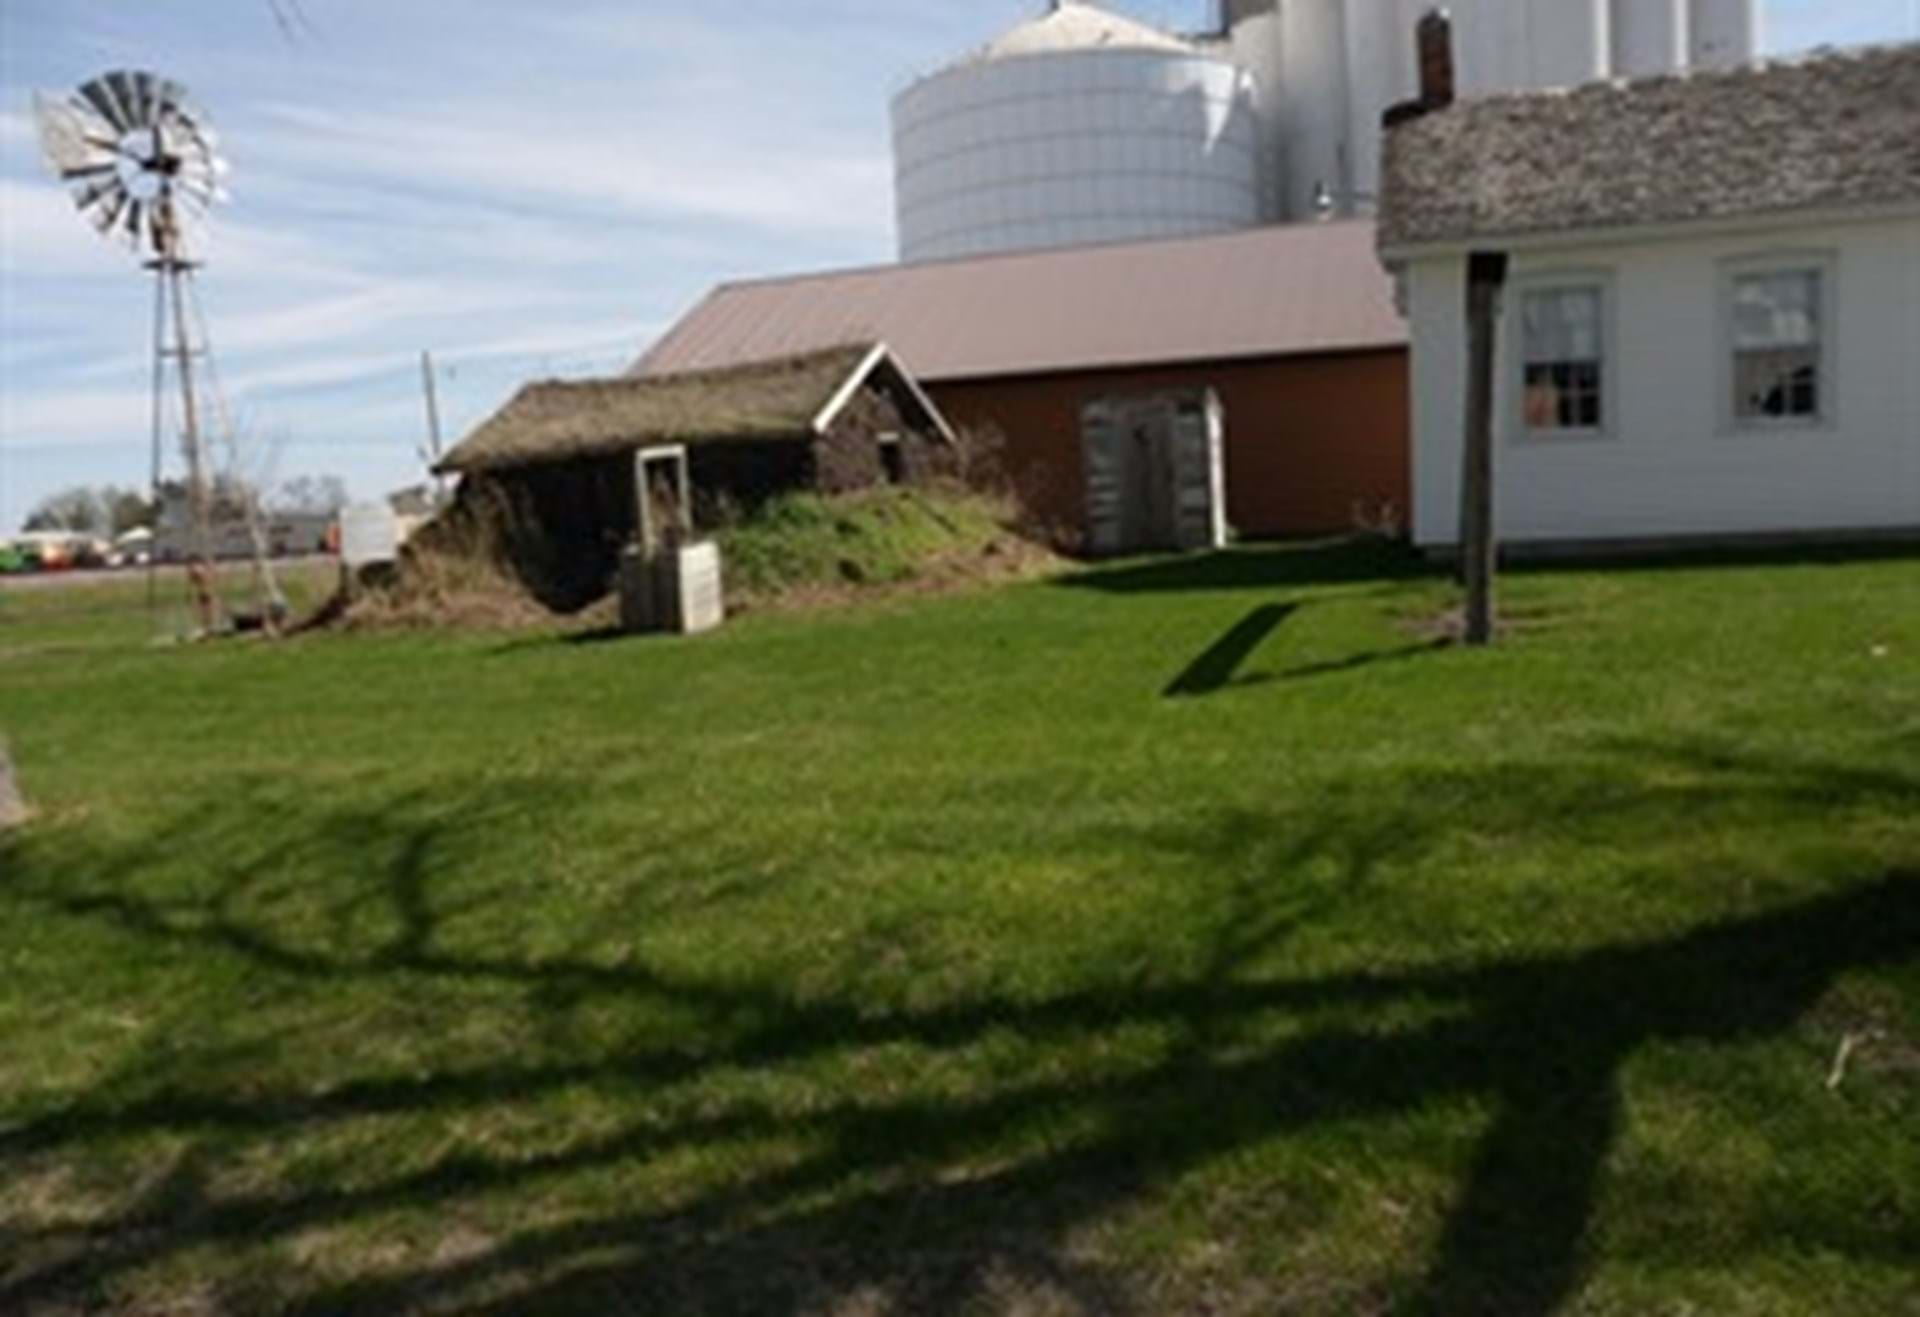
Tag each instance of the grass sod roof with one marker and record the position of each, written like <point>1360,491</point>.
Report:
<point>1832,132</point>
<point>562,420</point>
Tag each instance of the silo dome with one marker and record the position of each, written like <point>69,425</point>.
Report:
<point>1080,126</point>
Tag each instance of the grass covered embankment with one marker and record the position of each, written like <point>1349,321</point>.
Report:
<point>800,550</point>
<point>807,548</point>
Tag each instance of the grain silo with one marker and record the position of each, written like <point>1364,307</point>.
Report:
<point>1086,126</point>
<point>1726,33</point>
<point>1080,126</point>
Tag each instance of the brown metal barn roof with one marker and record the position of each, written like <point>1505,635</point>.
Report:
<point>1280,291</point>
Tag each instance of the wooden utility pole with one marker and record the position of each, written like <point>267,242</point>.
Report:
<point>433,419</point>
<point>1486,278</point>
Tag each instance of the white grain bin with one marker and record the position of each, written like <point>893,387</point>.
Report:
<point>1726,33</point>
<point>1650,36</point>
<point>1324,71</point>
<point>1296,55</point>
<point>1522,45</point>
<point>1081,126</point>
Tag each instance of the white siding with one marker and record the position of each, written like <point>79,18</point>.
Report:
<point>1670,464</point>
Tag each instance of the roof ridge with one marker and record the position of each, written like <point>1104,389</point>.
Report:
<point>1024,254</point>
<point>809,356</point>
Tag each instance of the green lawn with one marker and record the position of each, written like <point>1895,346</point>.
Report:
<point>1180,937</point>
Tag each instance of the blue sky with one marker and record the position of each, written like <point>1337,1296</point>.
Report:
<point>526,188</point>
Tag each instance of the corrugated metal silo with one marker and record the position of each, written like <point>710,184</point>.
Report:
<point>1726,33</point>
<point>1650,36</point>
<point>1381,71</point>
<point>1253,40</point>
<point>1078,127</point>
<point>1517,45</point>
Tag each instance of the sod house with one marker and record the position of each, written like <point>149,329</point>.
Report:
<point>549,480</point>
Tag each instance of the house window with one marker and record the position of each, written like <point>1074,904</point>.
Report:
<point>1777,323</point>
<point>1563,346</point>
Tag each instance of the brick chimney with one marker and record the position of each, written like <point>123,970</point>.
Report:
<point>1433,44</point>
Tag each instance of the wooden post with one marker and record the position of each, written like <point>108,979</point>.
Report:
<point>1486,276</point>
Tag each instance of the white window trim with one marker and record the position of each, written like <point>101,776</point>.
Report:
<point>1824,262</point>
<point>1598,279</point>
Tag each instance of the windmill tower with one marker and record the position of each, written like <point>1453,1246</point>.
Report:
<point>139,161</point>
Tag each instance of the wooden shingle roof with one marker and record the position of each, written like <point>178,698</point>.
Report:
<point>1835,132</point>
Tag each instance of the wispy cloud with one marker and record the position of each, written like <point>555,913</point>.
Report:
<point>544,159</point>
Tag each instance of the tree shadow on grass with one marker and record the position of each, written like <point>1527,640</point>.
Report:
<point>918,1199</point>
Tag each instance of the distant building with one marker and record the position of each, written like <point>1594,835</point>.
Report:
<point>1712,322</point>
<point>287,534</point>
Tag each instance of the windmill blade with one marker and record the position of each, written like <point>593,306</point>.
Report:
<point>99,97</point>
<point>132,95</point>
<point>65,139</point>
<point>146,96</point>
<point>108,213</point>
<point>135,210</point>
<point>122,84</point>
<point>181,138</point>
<point>85,198</point>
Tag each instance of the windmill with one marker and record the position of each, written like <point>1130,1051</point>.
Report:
<point>139,162</point>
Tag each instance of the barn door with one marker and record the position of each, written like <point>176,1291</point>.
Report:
<point>1197,439</point>
<point>1106,469</point>
<point>1155,473</point>
<point>1155,479</point>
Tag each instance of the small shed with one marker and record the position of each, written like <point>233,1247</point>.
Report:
<point>551,475</point>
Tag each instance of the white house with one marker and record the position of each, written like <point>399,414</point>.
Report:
<point>1711,325</point>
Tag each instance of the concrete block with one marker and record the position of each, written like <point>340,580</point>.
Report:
<point>13,805</point>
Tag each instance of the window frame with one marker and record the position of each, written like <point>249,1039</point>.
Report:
<point>1823,263</point>
<point>1594,279</point>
